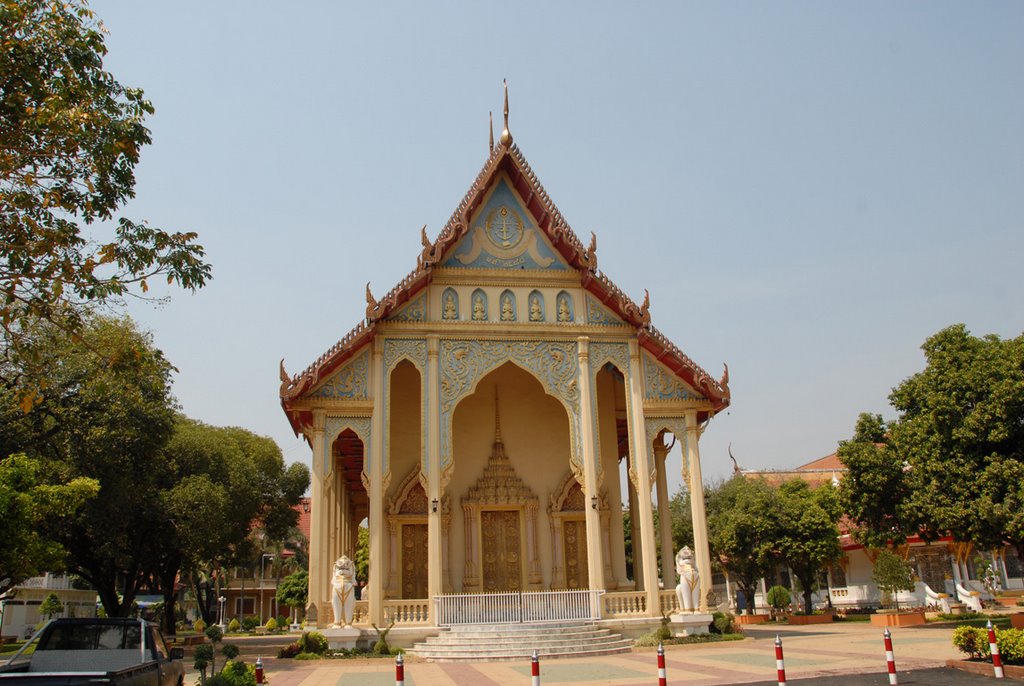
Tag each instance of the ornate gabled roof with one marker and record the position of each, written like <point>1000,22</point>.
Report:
<point>506,158</point>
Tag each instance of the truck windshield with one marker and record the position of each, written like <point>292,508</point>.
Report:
<point>91,637</point>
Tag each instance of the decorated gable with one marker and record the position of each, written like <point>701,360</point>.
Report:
<point>661,384</point>
<point>349,382</point>
<point>504,235</point>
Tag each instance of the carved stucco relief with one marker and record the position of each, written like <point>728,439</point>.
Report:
<point>349,382</point>
<point>659,384</point>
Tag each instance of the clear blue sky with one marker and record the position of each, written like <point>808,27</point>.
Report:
<point>808,190</point>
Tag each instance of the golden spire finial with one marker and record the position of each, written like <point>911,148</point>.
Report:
<point>490,140</point>
<point>506,137</point>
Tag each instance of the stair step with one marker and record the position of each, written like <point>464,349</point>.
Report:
<point>519,641</point>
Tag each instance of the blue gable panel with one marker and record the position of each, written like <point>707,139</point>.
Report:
<point>504,236</point>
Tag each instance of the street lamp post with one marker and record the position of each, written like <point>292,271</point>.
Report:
<point>262,560</point>
<point>222,600</point>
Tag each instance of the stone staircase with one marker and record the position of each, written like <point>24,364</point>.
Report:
<point>496,642</point>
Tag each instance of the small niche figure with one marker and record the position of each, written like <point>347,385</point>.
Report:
<point>449,307</point>
<point>563,310</point>
<point>536,314</point>
<point>479,314</point>
<point>507,313</point>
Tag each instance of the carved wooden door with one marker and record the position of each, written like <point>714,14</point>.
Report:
<point>414,560</point>
<point>501,551</point>
<point>574,543</point>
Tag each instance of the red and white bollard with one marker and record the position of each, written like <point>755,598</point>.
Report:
<point>259,670</point>
<point>399,671</point>
<point>890,658</point>
<point>780,664</point>
<point>993,644</point>
<point>662,674</point>
<point>535,670</point>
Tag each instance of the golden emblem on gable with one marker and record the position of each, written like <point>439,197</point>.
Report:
<point>504,227</point>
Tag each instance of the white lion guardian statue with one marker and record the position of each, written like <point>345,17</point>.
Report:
<point>343,597</point>
<point>689,580</point>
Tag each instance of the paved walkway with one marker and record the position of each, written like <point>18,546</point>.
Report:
<point>825,654</point>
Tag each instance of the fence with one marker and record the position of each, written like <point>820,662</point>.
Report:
<point>513,608</point>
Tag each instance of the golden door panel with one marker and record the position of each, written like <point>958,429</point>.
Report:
<point>414,560</point>
<point>574,543</point>
<point>501,551</point>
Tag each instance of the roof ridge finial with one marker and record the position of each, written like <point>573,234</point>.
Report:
<point>506,137</point>
<point>497,419</point>
<point>490,140</point>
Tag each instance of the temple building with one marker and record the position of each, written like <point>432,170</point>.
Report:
<point>477,419</point>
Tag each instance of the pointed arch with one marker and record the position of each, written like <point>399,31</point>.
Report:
<point>465,362</point>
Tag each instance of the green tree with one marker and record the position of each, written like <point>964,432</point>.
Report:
<point>363,554</point>
<point>26,504</point>
<point>104,418</point>
<point>742,523</point>
<point>51,606</point>
<point>227,494</point>
<point>875,489</point>
<point>293,591</point>
<point>892,574</point>
<point>807,538</point>
<point>71,136</point>
<point>960,435</point>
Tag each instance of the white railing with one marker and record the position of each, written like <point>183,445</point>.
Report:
<point>625,604</point>
<point>513,608</point>
<point>412,611</point>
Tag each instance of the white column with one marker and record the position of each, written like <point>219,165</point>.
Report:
<point>376,494</point>
<point>435,542</point>
<point>702,551</point>
<point>318,572</point>
<point>645,512</point>
<point>668,567</point>
<point>595,565</point>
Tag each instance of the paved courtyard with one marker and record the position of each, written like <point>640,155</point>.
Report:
<point>832,654</point>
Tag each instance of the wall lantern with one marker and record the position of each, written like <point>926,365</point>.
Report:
<point>593,502</point>
<point>433,505</point>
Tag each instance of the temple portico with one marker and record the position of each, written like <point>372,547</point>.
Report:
<point>477,420</point>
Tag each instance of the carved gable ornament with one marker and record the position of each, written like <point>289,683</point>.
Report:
<point>503,235</point>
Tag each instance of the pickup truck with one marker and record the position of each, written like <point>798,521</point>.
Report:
<point>81,652</point>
